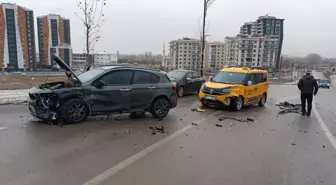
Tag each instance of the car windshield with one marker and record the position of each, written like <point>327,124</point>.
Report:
<point>87,76</point>
<point>324,81</point>
<point>176,74</point>
<point>229,77</point>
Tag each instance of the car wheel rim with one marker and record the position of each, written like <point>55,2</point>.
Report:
<point>180,92</point>
<point>161,107</point>
<point>76,112</point>
<point>239,103</point>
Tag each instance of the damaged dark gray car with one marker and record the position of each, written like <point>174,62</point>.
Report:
<point>102,91</point>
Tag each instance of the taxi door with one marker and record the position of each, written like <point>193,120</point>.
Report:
<point>251,90</point>
<point>263,85</point>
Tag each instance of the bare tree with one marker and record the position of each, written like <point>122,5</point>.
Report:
<point>93,19</point>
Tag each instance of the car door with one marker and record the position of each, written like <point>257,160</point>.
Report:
<point>198,81</point>
<point>144,87</point>
<point>251,91</point>
<point>114,95</point>
<point>188,83</point>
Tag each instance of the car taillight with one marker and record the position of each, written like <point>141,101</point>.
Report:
<point>174,86</point>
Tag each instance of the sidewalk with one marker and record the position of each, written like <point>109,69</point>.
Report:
<point>13,96</point>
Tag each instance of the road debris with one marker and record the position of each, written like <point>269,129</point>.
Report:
<point>219,125</point>
<point>236,119</point>
<point>294,144</point>
<point>286,107</point>
<point>199,109</point>
<point>156,130</point>
<point>323,146</point>
<point>194,124</point>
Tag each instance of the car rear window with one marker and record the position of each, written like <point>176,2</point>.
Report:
<point>142,77</point>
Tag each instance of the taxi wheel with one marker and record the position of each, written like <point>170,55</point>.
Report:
<point>262,100</point>
<point>238,103</point>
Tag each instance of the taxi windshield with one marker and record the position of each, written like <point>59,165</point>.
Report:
<point>229,77</point>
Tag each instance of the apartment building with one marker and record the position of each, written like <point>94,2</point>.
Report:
<point>54,37</point>
<point>245,50</point>
<point>217,55</point>
<point>266,26</point>
<point>17,38</point>
<point>100,59</point>
<point>186,54</point>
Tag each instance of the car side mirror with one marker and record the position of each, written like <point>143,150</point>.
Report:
<point>249,83</point>
<point>99,84</point>
<point>211,79</point>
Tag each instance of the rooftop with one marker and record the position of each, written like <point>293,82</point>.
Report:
<point>12,5</point>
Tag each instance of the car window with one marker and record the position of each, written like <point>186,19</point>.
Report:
<point>121,77</point>
<point>195,75</point>
<point>263,78</point>
<point>255,78</point>
<point>141,77</point>
<point>189,75</point>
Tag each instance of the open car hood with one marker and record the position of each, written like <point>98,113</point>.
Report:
<point>64,66</point>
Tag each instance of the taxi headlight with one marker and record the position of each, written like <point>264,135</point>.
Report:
<point>226,90</point>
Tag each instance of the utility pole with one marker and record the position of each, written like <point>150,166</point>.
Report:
<point>203,36</point>
<point>206,5</point>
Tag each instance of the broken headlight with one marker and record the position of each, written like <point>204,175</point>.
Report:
<point>47,100</point>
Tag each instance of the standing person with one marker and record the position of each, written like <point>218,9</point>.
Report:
<point>307,85</point>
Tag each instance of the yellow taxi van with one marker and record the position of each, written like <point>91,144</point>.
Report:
<point>236,87</point>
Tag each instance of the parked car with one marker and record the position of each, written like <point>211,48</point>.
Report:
<point>186,81</point>
<point>324,83</point>
<point>101,91</point>
<point>235,87</point>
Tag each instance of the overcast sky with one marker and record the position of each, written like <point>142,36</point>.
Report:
<point>136,26</point>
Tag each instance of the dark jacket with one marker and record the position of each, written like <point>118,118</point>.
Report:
<point>308,85</point>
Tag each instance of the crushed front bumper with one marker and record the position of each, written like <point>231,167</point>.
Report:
<point>216,101</point>
<point>41,112</point>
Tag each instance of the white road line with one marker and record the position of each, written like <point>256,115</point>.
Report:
<point>122,165</point>
<point>324,127</point>
<point>3,128</point>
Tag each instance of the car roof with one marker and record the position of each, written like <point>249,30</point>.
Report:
<point>183,70</point>
<point>243,70</point>
<point>156,71</point>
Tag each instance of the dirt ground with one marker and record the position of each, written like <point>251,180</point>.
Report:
<point>11,82</point>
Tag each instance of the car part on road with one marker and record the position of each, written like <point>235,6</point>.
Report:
<point>286,107</point>
<point>236,119</point>
<point>156,130</point>
<point>218,125</point>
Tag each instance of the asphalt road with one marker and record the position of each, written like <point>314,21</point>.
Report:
<point>287,149</point>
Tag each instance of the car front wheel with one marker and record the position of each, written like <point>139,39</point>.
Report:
<point>74,111</point>
<point>238,103</point>
<point>160,108</point>
<point>262,100</point>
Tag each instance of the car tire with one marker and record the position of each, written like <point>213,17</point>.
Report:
<point>238,103</point>
<point>160,108</point>
<point>180,91</point>
<point>262,100</point>
<point>74,111</point>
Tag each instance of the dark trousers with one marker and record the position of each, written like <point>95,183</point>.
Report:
<point>309,99</point>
